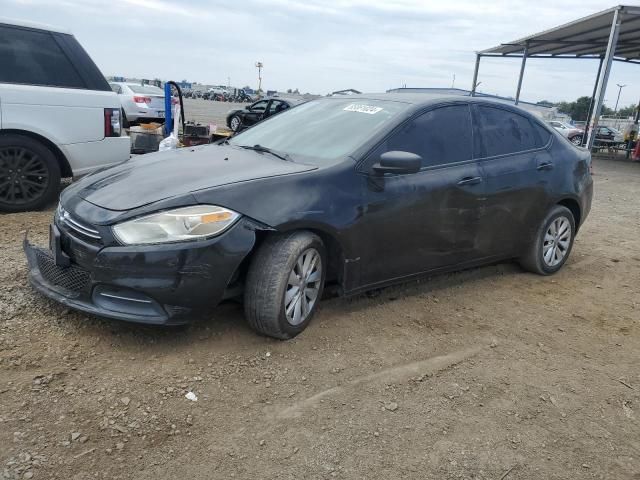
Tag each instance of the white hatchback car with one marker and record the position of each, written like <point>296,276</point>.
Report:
<point>58,115</point>
<point>140,103</point>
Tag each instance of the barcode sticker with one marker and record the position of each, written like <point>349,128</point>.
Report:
<point>360,108</point>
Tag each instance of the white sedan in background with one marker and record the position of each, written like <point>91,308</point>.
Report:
<point>140,103</point>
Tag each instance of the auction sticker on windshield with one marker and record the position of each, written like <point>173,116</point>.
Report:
<point>356,107</point>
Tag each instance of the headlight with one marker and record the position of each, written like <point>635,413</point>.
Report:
<point>188,223</point>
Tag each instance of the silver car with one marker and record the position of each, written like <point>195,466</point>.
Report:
<point>140,103</point>
<point>573,133</point>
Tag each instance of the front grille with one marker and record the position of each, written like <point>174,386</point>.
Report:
<point>86,232</point>
<point>71,278</point>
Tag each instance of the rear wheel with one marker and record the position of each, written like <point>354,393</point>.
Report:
<point>29,174</point>
<point>577,140</point>
<point>284,284</point>
<point>553,243</point>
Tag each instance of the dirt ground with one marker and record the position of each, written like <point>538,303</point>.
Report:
<point>491,373</point>
<point>209,112</point>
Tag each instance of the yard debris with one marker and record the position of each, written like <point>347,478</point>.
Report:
<point>625,384</point>
<point>390,406</point>
<point>504,475</point>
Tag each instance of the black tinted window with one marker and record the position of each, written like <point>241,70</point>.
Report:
<point>503,132</point>
<point>439,136</point>
<point>543,135</point>
<point>35,58</point>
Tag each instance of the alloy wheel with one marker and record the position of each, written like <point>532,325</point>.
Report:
<point>235,123</point>
<point>24,176</point>
<point>303,286</point>
<point>557,241</point>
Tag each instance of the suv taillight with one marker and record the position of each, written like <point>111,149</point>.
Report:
<point>112,126</point>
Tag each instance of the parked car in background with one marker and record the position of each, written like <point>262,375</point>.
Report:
<point>571,132</point>
<point>604,135</point>
<point>58,116</point>
<point>140,103</point>
<point>357,192</point>
<point>609,135</point>
<point>238,119</point>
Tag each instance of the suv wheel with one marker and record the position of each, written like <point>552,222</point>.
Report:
<point>284,284</point>
<point>29,174</point>
<point>552,245</point>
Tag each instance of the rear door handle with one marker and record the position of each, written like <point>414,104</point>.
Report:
<point>545,166</point>
<point>470,181</point>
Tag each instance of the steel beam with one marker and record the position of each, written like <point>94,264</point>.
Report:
<point>522,65</point>
<point>475,75</point>
<point>593,98</point>
<point>604,77</point>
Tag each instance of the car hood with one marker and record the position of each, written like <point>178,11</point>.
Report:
<point>158,176</point>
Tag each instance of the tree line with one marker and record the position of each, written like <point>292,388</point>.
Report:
<point>579,109</point>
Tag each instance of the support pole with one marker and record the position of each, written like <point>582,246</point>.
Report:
<point>604,77</point>
<point>475,75</point>
<point>593,99</point>
<point>522,65</point>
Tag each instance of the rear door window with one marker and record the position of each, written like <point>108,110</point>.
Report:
<point>503,132</point>
<point>440,136</point>
<point>34,58</point>
<point>277,106</point>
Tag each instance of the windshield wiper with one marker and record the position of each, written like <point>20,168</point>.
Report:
<point>260,148</point>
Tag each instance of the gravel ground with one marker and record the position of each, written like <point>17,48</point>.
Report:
<point>491,373</point>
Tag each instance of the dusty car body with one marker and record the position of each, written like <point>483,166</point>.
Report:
<point>364,200</point>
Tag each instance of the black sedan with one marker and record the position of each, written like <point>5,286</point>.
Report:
<point>239,119</point>
<point>358,192</point>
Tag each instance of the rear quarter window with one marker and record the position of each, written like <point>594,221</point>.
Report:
<point>543,135</point>
<point>34,57</point>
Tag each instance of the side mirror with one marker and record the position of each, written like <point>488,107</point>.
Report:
<point>398,163</point>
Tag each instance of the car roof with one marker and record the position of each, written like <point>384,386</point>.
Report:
<point>421,100</point>
<point>284,99</point>
<point>37,26</point>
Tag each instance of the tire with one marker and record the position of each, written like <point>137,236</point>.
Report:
<point>235,123</point>
<point>576,140</point>
<point>549,251</point>
<point>270,285</point>
<point>29,174</point>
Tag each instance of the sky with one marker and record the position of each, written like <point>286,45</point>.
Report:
<point>320,46</point>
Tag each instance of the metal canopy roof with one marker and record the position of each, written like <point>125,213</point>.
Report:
<point>583,38</point>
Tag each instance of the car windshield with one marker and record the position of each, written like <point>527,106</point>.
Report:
<point>146,89</point>
<point>322,130</point>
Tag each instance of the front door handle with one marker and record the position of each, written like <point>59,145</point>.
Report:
<point>470,181</point>
<point>545,166</point>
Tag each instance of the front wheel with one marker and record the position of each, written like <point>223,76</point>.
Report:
<point>552,244</point>
<point>235,123</point>
<point>284,284</point>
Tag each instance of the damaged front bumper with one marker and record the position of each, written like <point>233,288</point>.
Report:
<point>153,284</point>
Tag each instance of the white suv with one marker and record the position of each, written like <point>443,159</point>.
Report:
<point>58,115</point>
